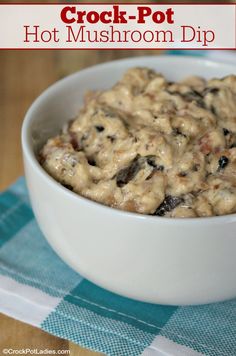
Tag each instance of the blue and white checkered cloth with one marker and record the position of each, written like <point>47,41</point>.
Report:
<point>220,56</point>
<point>38,288</point>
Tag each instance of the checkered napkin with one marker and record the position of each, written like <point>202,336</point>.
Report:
<point>220,56</point>
<point>38,288</point>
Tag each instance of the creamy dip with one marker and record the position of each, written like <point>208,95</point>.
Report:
<point>152,146</point>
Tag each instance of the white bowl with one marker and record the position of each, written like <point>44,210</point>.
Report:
<point>152,259</point>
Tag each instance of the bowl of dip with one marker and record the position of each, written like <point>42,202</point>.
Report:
<point>152,258</point>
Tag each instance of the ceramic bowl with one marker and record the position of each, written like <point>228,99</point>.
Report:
<point>152,259</point>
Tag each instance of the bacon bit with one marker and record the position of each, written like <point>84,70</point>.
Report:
<point>149,95</point>
<point>74,141</point>
<point>205,144</point>
<point>111,201</point>
<point>205,148</point>
<point>130,205</point>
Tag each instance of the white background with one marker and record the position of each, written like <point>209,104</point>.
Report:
<point>219,18</point>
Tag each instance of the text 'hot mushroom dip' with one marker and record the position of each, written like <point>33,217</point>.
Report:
<point>152,146</point>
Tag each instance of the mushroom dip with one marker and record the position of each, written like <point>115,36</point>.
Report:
<point>152,146</point>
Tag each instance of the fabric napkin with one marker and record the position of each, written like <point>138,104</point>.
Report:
<point>38,288</point>
<point>226,56</point>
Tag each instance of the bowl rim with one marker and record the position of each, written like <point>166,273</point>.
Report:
<point>31,157</point>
